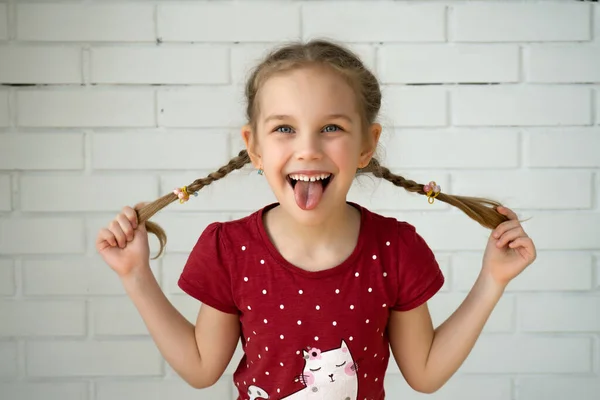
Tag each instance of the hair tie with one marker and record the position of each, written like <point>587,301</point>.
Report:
<point>432,190</point>
<point>183,194</point>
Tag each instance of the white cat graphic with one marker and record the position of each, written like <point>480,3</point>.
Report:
<point>256,392</point>
<point>328,375</point>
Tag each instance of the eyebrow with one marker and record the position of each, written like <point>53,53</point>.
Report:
<point>281,117</point>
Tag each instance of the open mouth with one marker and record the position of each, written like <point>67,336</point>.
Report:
<point>323,179</point>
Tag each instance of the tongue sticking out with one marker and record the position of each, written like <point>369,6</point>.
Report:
<point>308,194</point>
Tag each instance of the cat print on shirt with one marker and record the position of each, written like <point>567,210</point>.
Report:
<point>327,375</point>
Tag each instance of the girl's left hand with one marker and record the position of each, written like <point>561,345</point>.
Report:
<point>509,250</point>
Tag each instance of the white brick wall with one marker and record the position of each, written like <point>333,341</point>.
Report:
<point>105,104</point>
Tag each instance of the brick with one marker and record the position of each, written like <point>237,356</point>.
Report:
<point>558,387</point>
<point>554,313</point>
<point>9,357</point>
<point>111,358</point>
<point>39,235</point>
<point>177,226</point>
<point>557,148</point>
<point>206,107</point>
<point>3,21</point>
<point>459,387</point>
<point>442,63</point>
<point>160,65</point>
<point>381,195</point>
<point>563,63</point>
<point>224,194</point>
<point>4,114</point>
<point>7,278</point>
<point>597,107</point>
<point>597,283</point>
<point>172,266</point>
<point>45,390</point>
<point>42,318</point>
<point>375,22</point>
<point>596,23</point>
<point>443,305</point>
<point>157,150</point>
<point>85,193</point>
<point>86,108</point>
<point>565,231</point>
<point>529,22</point>
<point>521,105</point>
<point>86,22</point>
<point>5,193</point>
<point>77,276</point>
<point>500,354</point>
<point>244,57</point>
<point>229,22</point>
<point>520,189</point>
<point>40,65</point>
<point>235,361</point>
<point>414,106</point>
<point>55,151</point>
<point>403,144</point>
<point>116,316</point>
<point>161,389</point>
<point>551,271</point>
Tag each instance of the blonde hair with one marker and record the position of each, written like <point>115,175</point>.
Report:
<point>368,96</point>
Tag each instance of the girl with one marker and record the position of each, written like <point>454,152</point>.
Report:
<point>316,288</point>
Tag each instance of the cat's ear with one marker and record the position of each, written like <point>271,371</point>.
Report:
<point>343,345</point>
<point>305,354</point>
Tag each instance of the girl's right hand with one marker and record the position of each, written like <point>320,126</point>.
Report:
<point>124,244</point>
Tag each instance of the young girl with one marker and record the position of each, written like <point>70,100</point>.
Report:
<point>316,288</point>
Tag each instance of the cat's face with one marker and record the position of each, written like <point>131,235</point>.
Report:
<point>330,367</point>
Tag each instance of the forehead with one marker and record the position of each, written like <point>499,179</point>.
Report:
<point>310,91</point>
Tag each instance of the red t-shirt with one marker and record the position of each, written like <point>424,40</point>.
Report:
<point>311,335</point>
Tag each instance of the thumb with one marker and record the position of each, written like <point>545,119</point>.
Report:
<point>141,226</point>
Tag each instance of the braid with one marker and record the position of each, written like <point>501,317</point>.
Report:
<point>479,209</point>
<point>147,211</point>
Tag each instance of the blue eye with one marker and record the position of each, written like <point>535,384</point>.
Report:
<point>279,129</point>
<point>337,128</point>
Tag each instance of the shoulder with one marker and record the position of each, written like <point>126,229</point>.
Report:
<point>225,236</point>
<point>390,225</point>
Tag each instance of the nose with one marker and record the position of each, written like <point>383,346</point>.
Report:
<point>308,147</point>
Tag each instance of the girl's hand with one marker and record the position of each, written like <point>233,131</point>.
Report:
<point>124,244</point>
<point>509,250</point>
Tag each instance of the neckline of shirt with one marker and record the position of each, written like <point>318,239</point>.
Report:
<point>343,266</point>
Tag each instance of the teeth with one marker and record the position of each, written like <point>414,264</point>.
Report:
<point>299,177</point>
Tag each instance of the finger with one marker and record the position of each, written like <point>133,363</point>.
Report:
<point>116,230</point>
<point>503,227</point>
<point>105,238</point>
<point>508,212</point>
<point>126,226</point>
<point>131,215</point>
<point>524,245</point>
<point>510,235</point>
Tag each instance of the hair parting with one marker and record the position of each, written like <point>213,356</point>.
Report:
<point>368,96</point>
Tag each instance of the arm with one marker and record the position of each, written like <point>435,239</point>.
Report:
<point>426,357</point>
<point>198,354</point>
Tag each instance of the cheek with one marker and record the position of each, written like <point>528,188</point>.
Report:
<point>348,370</point>
<point>309,378</point>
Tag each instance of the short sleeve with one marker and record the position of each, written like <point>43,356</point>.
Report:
<point>206,274</point>
<point>419,274</point>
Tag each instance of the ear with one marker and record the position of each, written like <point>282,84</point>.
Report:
<point>251,147</point>
<point>370,145</point>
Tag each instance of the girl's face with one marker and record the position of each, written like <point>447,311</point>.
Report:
<point>309,140</point>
